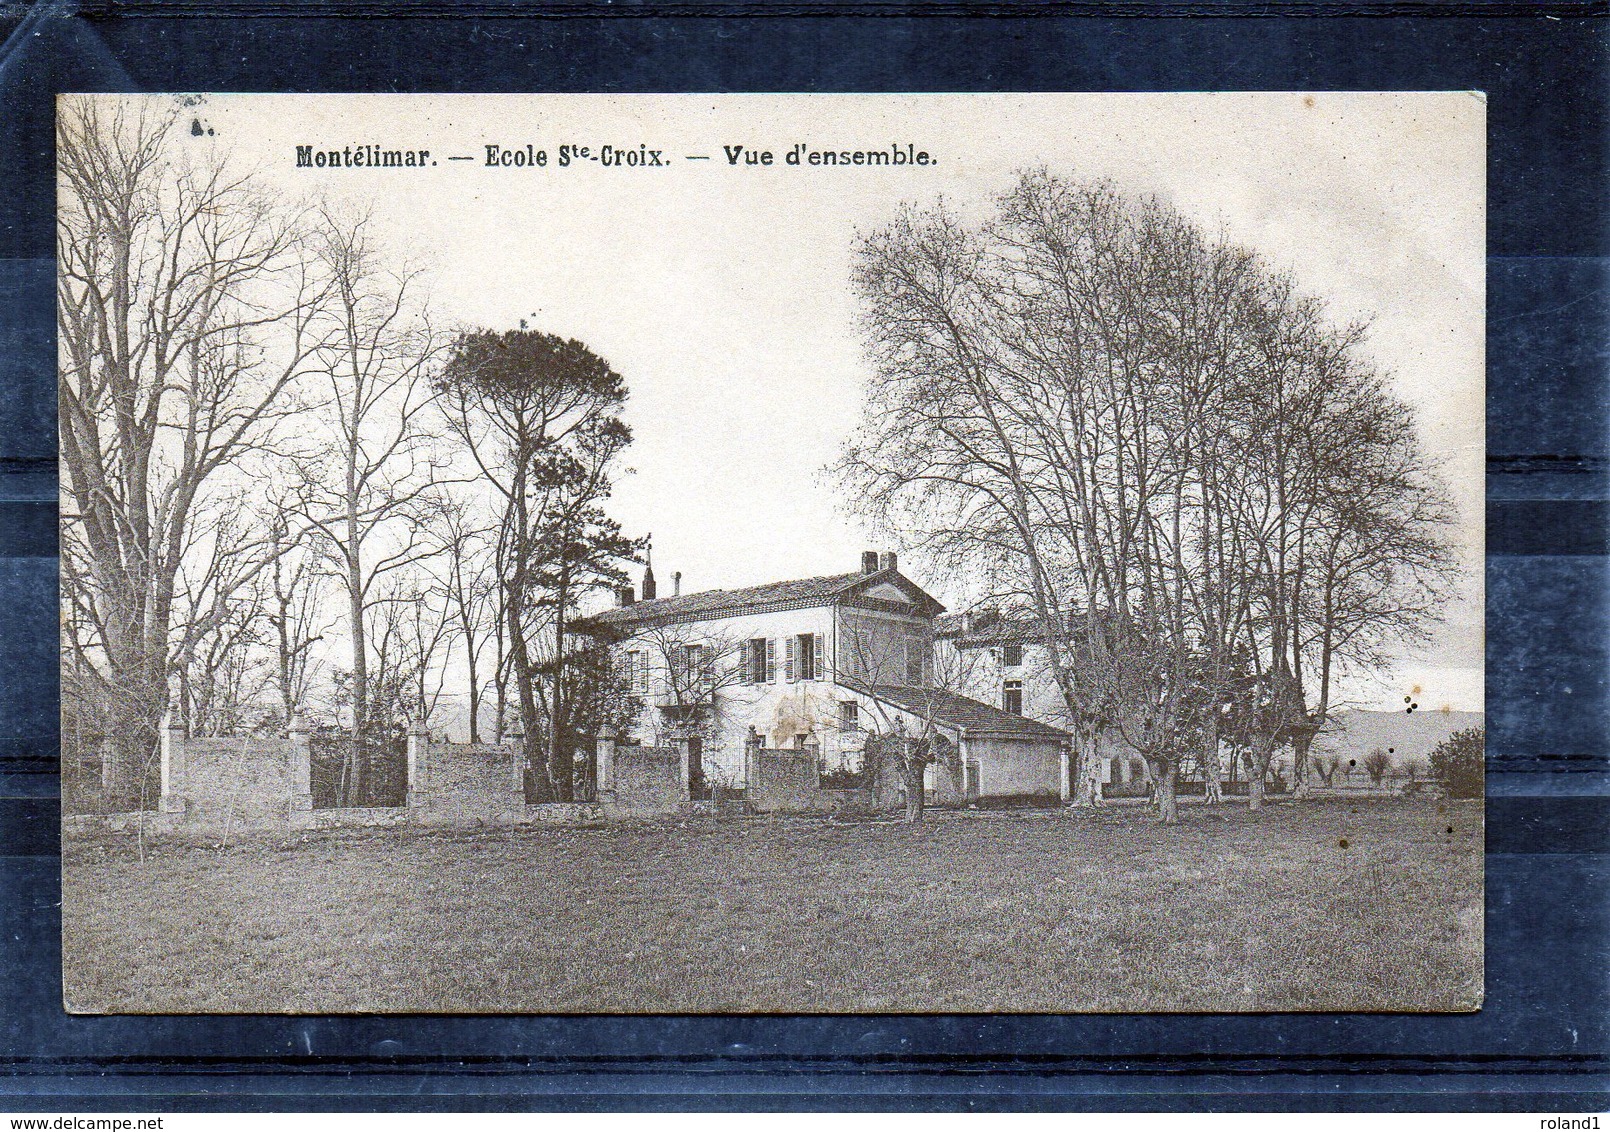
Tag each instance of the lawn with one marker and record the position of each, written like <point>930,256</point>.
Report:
<point>1328,905</point>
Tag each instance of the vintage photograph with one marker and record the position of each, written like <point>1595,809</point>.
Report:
<point>785,553</point>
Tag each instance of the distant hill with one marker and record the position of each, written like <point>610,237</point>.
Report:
<point>1406,735</point>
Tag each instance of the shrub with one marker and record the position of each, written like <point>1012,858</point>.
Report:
<point>1377,763</point>
<point>1040,800</point>
<point>842,778</point>
<point>1456,762</point>
<point>1135,788</point>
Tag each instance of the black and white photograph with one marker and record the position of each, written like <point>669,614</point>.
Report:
<point>601,554</point>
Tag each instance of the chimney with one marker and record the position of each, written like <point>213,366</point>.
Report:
<point>649,588</point>
<point>625,596</point>
<point>890,562</point>
<point>676,583</point>
<point>869,562</point>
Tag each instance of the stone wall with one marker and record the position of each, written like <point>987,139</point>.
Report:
<point>783,782</point>
<point>262,784</point>
<point>462,784</point>
<point>239,783</point>
<point>647,781</point>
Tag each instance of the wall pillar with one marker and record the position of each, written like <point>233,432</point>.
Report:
<point>301,764</point>
<point>683,746</point>
<point>418,763</point>
<point>517,771</point>
<point>754,743</point>
<point>606,764</point>
<point>172,766</point>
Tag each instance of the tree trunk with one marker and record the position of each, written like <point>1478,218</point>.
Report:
<point>1263,749</point>
<point>1300,744</point>
<point>357,771</point>
<point>475,694</point>
<point>916,803</point>
<point>1168,803</point>
<point>128,759</point>
<point>1212,788</point>
<point>525,691</point>
<point>1087,767</point>
<point>561,759</point>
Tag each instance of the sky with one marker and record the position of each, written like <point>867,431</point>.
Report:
<point>721,292</point>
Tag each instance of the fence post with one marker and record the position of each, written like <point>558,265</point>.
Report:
<point>172,758</point>
<point>301,764</point>
<point>418,764</point>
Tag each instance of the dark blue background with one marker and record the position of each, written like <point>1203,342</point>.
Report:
<point>1540,1043</point>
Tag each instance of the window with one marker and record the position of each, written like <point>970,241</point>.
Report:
<point>755,661</point>
<point>1011,655</point>
<point>916,656</point>
<point>1012,697</point>
<point>686,664</point>
<point>805,659</point>
<point>861,658</point>
<point>637,671</point>
<point>849,716</point>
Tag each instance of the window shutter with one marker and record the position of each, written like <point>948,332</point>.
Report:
<point>788,660</point>
<point>816,650</point>
<point>771,660</point>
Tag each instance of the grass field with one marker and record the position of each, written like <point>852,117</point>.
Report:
<point>1331,905</point>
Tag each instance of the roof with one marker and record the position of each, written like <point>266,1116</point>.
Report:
<point>963,713</point>
<point>798,594</point>
<point>988,627</point>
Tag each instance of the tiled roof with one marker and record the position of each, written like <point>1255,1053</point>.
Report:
<point>1010,627</point>
<point>964,713</point>
<point>715,603</point>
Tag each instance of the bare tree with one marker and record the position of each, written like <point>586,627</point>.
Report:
<point>1325,765</point>
<point>1376,764</point>
<point>705,674</point>
<point>295,610</point>
<point>470,586</point>
<point>217,661</point>
<point>184,311</point>
<point>410,622</point>
<point>907,740</point>
<point>1150,440</point>
<point>369,480</point>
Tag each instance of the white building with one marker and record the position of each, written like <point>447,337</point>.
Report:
<point>816,664</point>
<point>1003,660</point>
